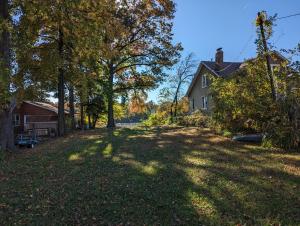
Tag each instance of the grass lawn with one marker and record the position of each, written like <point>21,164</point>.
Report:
<point>170,176</point>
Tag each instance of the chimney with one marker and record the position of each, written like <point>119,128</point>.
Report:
<point>219,58</point>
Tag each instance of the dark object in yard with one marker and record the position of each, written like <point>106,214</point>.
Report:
<point>253,138</point>
<point>26,141</point>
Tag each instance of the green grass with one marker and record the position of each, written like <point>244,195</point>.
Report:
<point>169,176</point>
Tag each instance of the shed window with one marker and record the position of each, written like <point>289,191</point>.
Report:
<point>16,119</point>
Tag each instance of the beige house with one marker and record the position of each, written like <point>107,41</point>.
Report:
<point>199,90</point>
<point>199,94</point>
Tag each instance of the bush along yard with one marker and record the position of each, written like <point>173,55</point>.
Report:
<point>140,176</point>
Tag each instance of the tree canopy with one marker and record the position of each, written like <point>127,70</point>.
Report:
<point>67,48</point>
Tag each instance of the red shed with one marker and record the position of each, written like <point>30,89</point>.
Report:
<point>43,117</point>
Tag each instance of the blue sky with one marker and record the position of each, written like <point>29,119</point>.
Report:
<point>204,25</point>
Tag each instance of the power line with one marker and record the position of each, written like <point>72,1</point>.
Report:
<point>284,17</point>
<point>279,37</point>
<point>252,36</point>
<point>245,46</point>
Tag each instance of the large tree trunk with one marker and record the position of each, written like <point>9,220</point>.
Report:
<point>95,119</point>
<point>175,103</point>
<point>88,106</point>
<point>4,38</point>
<point>81,116</point>
<point>72,108</point>
<point>176,106</point>
<point>172,113</point>
<point>61,88</point>
<point>110,100</point>
<point>6,129</point>
<point>89,121</point>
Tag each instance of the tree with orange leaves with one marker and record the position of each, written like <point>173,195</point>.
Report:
<point>137,46</point>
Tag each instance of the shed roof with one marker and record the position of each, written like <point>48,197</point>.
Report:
<point>47,106</point>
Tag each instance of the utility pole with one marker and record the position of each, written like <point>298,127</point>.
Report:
<point>260,20</point>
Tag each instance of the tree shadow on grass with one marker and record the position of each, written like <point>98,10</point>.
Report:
<point>156,177</point>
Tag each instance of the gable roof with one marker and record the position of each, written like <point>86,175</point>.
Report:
<point>223,70</point>
<point>47,106</point>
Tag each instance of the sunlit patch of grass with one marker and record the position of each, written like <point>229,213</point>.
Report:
<point>126,155</point>
<point>116,132</point>
<point>92,150</point>
<point>75,157</point>
<point>293,170</point>
<point>151,168</point>
<point>193,160</point>
<point>116,159</point>
<point>202,203</point>
<point>107,151</point>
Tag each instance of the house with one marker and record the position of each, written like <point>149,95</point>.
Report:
<point>199,93</point>
<point>42,117</point>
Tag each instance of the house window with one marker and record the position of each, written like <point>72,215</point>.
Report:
<point>204,81</point>
<point>275,67</point>
<point>204,103</point>
<point>16,119</point>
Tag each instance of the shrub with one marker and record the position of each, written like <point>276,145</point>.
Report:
<point>197,119</point>
<point>227,133</point>
<point>243,103</point>
<point>157,119</point>
<point>282,132</point>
